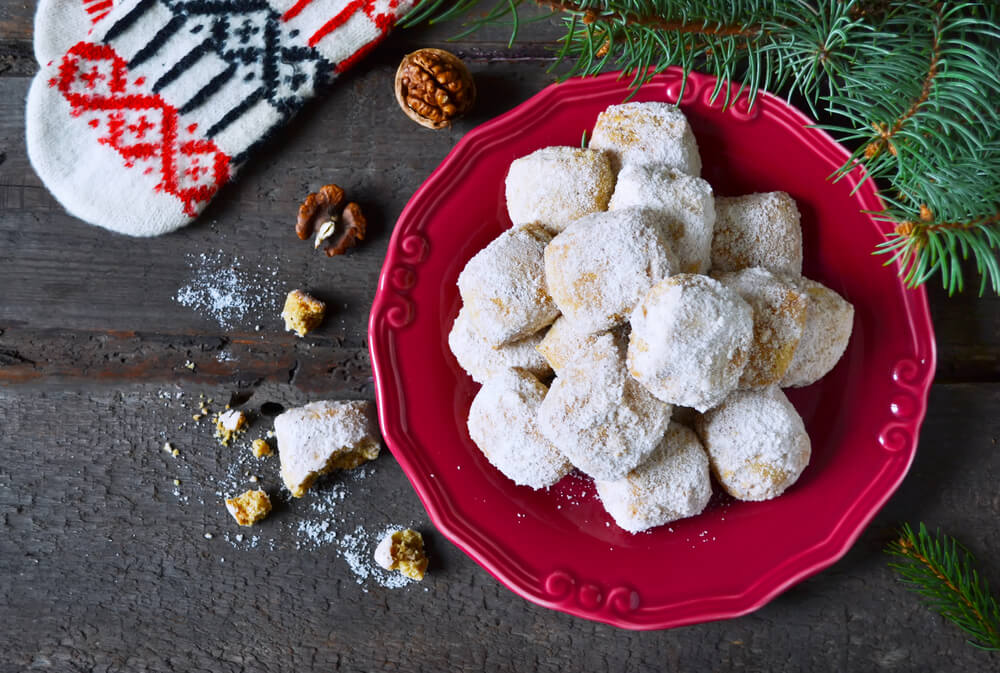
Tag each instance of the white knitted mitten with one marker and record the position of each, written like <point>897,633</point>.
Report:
<point>59,24</point>
<point>136,123</point>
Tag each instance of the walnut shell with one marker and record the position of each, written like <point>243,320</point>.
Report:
<point>433,87</point>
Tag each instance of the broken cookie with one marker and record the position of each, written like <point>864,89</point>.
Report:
<point>249,508</point>
<point>302,312</point>
<point>403,550</point>
<point>229,424</point>
<point>324,436</point>
<point>260,448</point>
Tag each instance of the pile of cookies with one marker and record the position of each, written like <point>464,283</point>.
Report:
<point>671,319</point>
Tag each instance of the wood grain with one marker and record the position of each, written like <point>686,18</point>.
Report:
<point>106,569</point>
<point>103,567</point>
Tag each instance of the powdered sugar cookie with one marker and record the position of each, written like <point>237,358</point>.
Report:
<point>502,423</point>
<point>757,444</point>
<point>324,436</point>
<point>599,267</point>
<point>503,286</point>
<point>556,185</point>
<point>829,321</point>
<point>647,133</point>
<point>686,201</point>
<point>672,483</point>
<point>602,433</point>
<point>690,340</point>
<point>779,314</point>
<point>757,230</point>
<point>564,348</point>
<point>483,361</point>
<point>598,365</point>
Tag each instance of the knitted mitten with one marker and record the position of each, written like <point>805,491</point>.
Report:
<point>149,110</point>
<point>59,24</point>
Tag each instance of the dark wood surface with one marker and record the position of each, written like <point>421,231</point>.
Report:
<point>104,562</point>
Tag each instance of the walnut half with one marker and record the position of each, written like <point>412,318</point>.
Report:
<point>434,87</point>
<point>335,223</point>
<point>318,208</point>
<point>348,235</point>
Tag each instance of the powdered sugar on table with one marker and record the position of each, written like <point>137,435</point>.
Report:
<point>227,290</point>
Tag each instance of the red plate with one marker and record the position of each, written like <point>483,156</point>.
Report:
<point>558,547</point>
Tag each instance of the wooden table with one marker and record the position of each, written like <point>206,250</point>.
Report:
<point>107,565</point>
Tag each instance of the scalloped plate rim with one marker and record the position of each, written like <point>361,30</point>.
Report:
<point>451,522</point>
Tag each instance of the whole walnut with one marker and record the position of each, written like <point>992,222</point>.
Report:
<point>434,87</point>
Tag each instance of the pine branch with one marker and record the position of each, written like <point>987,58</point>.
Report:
<point>886,133</point>
<point>914,86</point>
<point>942,571</point>
<point>633,19</point>
<point>926,247</point>
<point>934,139</point>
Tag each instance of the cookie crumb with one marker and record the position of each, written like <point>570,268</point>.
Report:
<point>260,448</point>
<point>302,313</point>
<point>249,508</point>
<point>403,550</point>
<point>229,424</point>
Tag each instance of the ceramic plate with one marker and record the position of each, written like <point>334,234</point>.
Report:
<point>558,547</point>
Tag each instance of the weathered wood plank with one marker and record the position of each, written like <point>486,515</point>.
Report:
<point>106,569</point>
<point>59,272</point>
<point>17,21</point>
<point>55,358</point>
<point>968,333</point>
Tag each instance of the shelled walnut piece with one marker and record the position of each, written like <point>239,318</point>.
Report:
<point>249,508</point>
<point>403,550</point>
<point>335,223</point>
<point>433,87</point>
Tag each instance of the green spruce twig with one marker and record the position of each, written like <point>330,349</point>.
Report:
<point>912,84</point>
<point>941,570</point>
